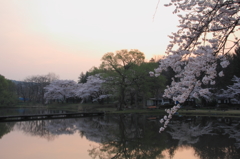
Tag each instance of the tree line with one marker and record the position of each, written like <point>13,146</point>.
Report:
<point>30,90</point>
<point>122,78</point>
<point>8,96</point>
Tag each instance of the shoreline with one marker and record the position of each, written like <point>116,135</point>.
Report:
<point>109,109</point>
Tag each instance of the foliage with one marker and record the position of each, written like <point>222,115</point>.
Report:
<point>8,95</point>
<point>206,28</point>
<point>120,66</point>
<point>143,85</point>
<point>61,90</point>
<point>93,89</point>
<point>127,78</point>
<point>83,77</point>
<point>235,61</point>
<point>32,88</point>
<point>204,31</point>
<point>123,76</point>
<point>233,69</point>
<point>233,91</point>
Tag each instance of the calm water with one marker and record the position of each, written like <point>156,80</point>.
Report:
<point>121,136</point>
<point>26,111</point>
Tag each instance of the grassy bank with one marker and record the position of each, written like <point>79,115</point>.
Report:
<point>78,107</point>
<point>181,112</point>
<point>110,109</point>
<point>207,112</point>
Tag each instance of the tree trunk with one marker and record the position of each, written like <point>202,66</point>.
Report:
<point>121,100</point>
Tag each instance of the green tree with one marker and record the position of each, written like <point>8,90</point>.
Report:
<point>233,69</point>
<point>144,86</point>
<point>83,77</point>
<point>235,62</point>
<point>8,95</point>
<point>118,66</point>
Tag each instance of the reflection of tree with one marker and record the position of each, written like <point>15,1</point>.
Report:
<point>93,128</point>
<point>233,131</point>
<point>210,140</point>
<point>133,138</point>
<point>5,128</point>
<point>36,128</point>
<point>188,132</point>
<point>216,147</point>
<point>48,129</point>
<point>96,129</point>
<point>61,126</point>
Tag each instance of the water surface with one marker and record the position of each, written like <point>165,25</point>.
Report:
<point>121,136</point>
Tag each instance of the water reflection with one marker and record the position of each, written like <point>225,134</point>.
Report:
<point>5,128</point>
<point>135,136</point>
<point>27,111</point>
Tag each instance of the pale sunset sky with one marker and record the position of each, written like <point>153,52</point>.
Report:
<point>67,37</point>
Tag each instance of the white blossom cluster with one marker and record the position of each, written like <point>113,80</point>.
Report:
<point>233,91</point>
<point>93,88</point>
<point>62,89</point>
<point>194,49</point>
<point>207,32</point>
<point>165,120</point>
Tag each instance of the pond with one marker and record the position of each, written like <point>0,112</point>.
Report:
<point>27,111</point>
<point>121,136</point>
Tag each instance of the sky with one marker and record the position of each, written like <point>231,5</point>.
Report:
<point>67,37</point>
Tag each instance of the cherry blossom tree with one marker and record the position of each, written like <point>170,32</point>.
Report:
<point>233,91</point>
<point>63,89</point>
<point>93,89</point>
<point>60,90</point>
<point>207,33</point>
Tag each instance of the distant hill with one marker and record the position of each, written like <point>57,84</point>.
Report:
<point>16,82</point>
